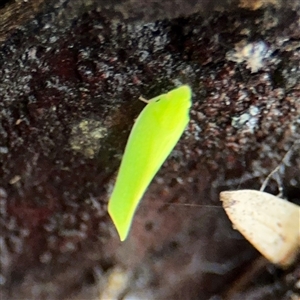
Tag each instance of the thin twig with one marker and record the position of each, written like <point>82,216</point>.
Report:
<point>286,156</point>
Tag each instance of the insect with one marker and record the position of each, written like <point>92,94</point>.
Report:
<point>269,223</point>
<point>153,136</point>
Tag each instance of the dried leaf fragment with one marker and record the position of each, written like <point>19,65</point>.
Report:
<point>269,223</point>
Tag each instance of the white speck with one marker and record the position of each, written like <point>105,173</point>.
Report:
<point>3,150</point>
<point>239,121</point>
<point>45,257</point>
<point>253,110</point>
<point>32,53</point>
<point>253,54</point>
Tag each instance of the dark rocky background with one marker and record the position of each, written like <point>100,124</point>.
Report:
<point>70,76</point>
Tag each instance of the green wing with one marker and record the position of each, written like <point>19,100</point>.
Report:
<point>152,138</point>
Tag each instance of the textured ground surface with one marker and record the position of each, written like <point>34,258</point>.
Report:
<point>68,98</point>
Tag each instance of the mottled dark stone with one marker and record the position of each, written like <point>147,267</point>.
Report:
<point>70,77</point>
